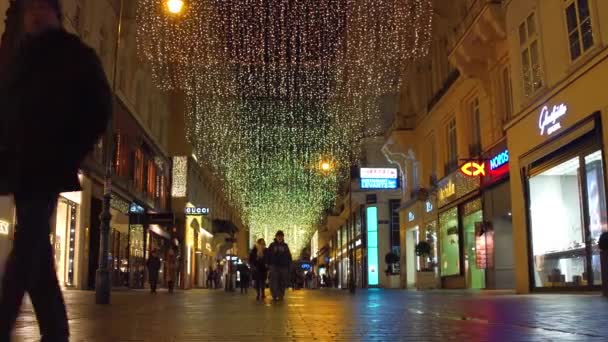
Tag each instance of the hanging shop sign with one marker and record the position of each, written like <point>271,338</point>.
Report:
<point>549,120</point>
<point>429,206</point>
<point>410,216</point>
<point>499,160</point>
<point>4,227</point>
<point>197,211</point>
<point>484,245</point>
<point>473,169</point>
<point>497,164</point>
<point>379,178</point>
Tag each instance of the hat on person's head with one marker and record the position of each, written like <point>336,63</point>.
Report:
<point>279,233</point>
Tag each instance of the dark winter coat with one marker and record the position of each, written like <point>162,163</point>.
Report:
<point>258,263</point>
<point>153,265</point>
<point>55,102</point>
<point>279,254</point>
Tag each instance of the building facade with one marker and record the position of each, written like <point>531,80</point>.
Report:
<point>558,171</point>
<point>454,105</point>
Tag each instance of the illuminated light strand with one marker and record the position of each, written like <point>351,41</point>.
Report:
<point>276,87</point>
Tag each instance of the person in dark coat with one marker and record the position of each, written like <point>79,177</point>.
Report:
<point>258,259</point>
<point>280,260</point>
<point>56,103</point>
<point>245,277</point>
<point>153,265</point>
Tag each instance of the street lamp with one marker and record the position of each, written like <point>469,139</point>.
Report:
<point>102,280</point>
<point>175,6</point>
<point>325,166</point>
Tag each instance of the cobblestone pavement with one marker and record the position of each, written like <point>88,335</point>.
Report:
<point>332,315</point>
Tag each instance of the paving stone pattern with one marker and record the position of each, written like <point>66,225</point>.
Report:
<point>331,315</point>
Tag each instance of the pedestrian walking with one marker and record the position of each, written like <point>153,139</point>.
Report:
<point>280,259</point>
<point>258,258</point>
<point>153,265</point>
<point>56,103</point>
<point>170,269</point>
<point>210,280</point>
<point>245,277</point>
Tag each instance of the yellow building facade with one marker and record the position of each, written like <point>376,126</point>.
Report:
<point>556,141</point>
<point>521,94</point>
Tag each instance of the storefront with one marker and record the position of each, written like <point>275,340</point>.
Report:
<point>413,220</point>
<point>562,195</point>
<point>460,220</point>
<point>496,242</point>
<point>63,236</point>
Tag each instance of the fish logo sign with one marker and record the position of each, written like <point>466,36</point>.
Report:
<point>473,169</point>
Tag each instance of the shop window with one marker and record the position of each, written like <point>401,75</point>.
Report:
<point>507,92</point>
<point>559,200</point>
<point>530,58</point>
<point>475,119</point>
<point>580,32</point>
<point>151,179</point>
<point>471,224</point>
<point>449,243</point>
<point>139,169</point>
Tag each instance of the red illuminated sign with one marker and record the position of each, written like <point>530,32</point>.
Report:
<point>473,169</point>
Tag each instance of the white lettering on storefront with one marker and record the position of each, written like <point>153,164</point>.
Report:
<point>4,227</point>
<point>549,121</point>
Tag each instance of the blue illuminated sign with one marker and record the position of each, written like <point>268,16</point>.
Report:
<point>378,183</point>
<point>499,160</point>
<point>136,209</point>
<point>372,246</point>
<point>305,266</point>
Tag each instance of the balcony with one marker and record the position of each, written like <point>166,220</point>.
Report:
<point>480,39</point>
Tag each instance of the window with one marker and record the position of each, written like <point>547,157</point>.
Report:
<point>530,60</point>
<point>433,145</point>
<point>566,204</point>
<point>507,92</point>
<point>452,145</point>
<point>139,170</point>
<point>475,147</point>
<point>578,22</point>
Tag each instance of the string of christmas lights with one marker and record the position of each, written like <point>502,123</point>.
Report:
<point>275,88</point>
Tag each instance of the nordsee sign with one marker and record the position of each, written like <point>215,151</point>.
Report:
<point>499,160</point>
<point>549,122</point>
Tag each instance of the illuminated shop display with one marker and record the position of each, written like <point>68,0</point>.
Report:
<point>558,203</point>
<point>372,246</point>
<point>63,239</point>
<point>449,244</point>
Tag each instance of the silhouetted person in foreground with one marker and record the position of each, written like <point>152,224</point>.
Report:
<point>56,103</point>
<point>279,258</point>
<point>153,265</point>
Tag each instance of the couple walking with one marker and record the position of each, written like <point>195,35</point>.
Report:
<point>277,258</point>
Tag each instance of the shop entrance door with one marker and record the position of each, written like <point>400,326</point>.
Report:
<point>475,276</point>
<point>411,259</point>
<point>567,216</point>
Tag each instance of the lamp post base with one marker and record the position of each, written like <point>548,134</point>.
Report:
<point>102,287</point>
